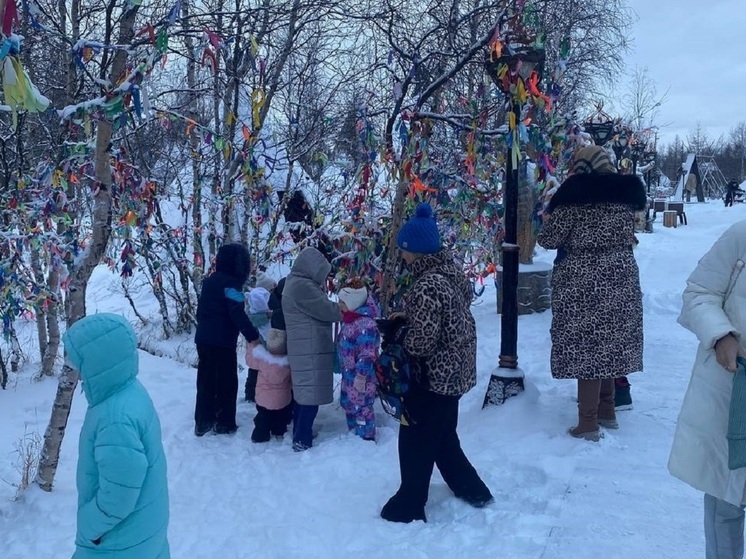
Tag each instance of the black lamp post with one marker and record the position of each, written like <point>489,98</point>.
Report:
<point>600,126</point>
<point>638,151</point>
<point>650,158</point>
<point>518,63</point>
<point>619,145</point>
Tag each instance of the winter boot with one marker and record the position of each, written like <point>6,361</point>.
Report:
<point>622,396</point>
<point>588,400</point>
<point>606,411</point>
<point>201,429</point>
<point>395,510</point>
<point>225,429</point>
<point>257,436</point>
<point>478,502</point>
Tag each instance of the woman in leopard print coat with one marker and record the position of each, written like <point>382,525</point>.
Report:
<point>441,342</point>
<point>596,298</point>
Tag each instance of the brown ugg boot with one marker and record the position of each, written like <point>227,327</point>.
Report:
<point>588,399</point>
<point>606,411</point>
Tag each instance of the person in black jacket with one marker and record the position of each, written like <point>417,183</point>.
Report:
<point>221,315</point>
<point>731,190</point>
<point>277,320</point>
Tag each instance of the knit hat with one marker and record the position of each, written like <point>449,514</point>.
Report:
<point>258,300</point>
<point>353,297</point>
<point>263,280</point>
<point>420,234</point>
<point>277,341</point>
<point>591,159</point>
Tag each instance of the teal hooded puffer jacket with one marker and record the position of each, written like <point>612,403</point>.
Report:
<point>122,487</point>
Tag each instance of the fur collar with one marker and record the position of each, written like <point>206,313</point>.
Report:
<point>594,188</point>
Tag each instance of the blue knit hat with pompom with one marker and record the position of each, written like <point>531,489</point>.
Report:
<point>420,234</point>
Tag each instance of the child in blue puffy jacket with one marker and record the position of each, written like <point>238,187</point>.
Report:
<point>121,478</point>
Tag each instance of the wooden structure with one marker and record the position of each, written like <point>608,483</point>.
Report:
<point>678,207</point>
<point>669,218</point>
<point>663,206</point>
<point>689,181</point>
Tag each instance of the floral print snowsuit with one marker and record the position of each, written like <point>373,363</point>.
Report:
<point>358,346</point>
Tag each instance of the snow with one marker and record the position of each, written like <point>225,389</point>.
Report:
<point>556,497</point>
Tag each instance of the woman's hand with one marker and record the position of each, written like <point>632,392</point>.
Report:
<point>727,350</point>
<point>343,307</point>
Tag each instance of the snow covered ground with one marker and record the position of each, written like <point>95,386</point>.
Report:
<point>556,497</point>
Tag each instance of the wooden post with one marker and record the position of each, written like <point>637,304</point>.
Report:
<point>669,218</point>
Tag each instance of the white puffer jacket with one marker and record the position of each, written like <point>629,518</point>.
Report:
<point>714,305</point>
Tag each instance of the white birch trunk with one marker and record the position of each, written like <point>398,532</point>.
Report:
<point>53,323</point>
<point>101,232</point>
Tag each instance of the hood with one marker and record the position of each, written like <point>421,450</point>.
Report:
<point>600,188</point>
<point>312,264</point>
<point>259,300</point>
<point>103,349</point>
<point>233,260</point>
<point>442,263</point>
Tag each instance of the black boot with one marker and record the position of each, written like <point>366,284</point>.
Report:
<point>201,429</point>
<point>395,510</point>
<point>622,395</point>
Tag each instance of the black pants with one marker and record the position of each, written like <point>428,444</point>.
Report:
<point>432,441</point>
<point>250,388</point>
<point>271,422</point>
<point>217,387</point>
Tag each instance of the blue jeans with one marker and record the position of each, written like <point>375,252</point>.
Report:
<point>723,529</point>
<point>303,417</point>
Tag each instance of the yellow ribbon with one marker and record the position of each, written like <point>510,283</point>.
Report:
<point>258,98</point>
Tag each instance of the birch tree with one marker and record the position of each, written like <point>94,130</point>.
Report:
<point>101,231</point>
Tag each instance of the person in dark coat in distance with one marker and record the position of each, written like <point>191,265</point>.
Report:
<point>732,189</point>
<point>596,327</point>
<point>309,315</point>
<point>441,342</point>
<point>221,316</point>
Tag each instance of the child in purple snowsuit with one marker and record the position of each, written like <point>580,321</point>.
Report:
<point>358,346</point>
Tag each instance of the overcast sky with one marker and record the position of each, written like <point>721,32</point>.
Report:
<point>698,49</point>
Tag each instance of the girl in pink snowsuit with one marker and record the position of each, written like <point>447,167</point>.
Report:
<point>358,346</point>
<point>273,392</point>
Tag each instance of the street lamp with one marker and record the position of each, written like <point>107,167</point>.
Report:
<point>518,64</point>
<point>619,145</point>
<point>638,152</point>
<point>648,159</point>
<point>600,126</point>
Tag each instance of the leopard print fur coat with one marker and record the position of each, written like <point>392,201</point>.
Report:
<point>442,336</point>
<point>596,297</point>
